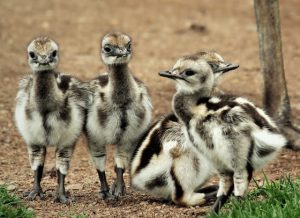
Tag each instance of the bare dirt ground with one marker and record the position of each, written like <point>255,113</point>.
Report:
<point>162,31</point>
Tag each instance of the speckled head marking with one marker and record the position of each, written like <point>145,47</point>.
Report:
<point>42,54</point>
<point>191,75</point>
<point>198,71</point>
<point>116,48</point>
<point>216,62</point>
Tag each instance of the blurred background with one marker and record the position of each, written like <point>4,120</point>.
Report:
<point>162,31</point>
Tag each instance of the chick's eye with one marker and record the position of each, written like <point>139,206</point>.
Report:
<point>107,49</point>
<point>54,54</point>
<point>129,47</point>
<point>32,55</point>
<point>189,73</point>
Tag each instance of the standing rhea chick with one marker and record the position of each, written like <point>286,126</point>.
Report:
<point>164,165</point>
<point>120,113</point>
<point>232,132</point>
<point>50,111</point>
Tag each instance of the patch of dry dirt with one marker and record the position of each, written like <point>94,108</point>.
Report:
<point>162,31</point>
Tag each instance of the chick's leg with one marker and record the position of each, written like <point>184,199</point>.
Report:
<point>122,158</point>
<point>98,155</point>
<point>37,154</point>
<point>63,158</point>
<point>224,192</point>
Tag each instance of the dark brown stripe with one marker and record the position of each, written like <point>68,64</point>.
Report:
<point>158,181</point>
<point>153,148</point>
<point>123,118</point>
<point>64,83</point>
<point>65,111</point>
<point>43,90</point>
<point>121,91</point>
<point>170,117</point>
<point>103,80</point>
<point>181,108</point>
<point>231,118</point>
<point>164,123</point>
<point>225,100</point>
<point>43,85</point>
<point>44,115</point>
<point>265,151</point>
<point>228,100</point>
<point>142,139</point>
<point>178,187</point>
<point>102,96</point>
<point>99,155</point>
<point>249,158</point>
<point>204,133</point>
<point>207,189</point>
<point>103,116</point>
<point>257,118</point>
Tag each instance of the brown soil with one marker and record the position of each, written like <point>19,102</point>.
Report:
<point>162,31</point>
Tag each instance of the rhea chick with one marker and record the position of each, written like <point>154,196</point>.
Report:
<point>164,165</point>
<point>230,131</point>
<point>167,168</point>
<point>50,111</point>
<point>120,113</point>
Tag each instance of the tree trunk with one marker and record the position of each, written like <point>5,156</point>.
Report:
<point>275,94</point>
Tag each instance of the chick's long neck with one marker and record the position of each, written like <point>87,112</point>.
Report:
<point>45,90</point>
<point>183,103</point>
<point>121,81</point>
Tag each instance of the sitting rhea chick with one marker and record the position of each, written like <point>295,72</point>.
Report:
<point>120,113</point>
<point>166,168</point>
<point>50,110</point>
<point>164,165</point>
<point>232,132</point>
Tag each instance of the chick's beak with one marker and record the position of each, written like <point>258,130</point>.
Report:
<point>227,67</point>
<point>122,53</point>
<point>169,74</point>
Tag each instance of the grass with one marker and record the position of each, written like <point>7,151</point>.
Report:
<point>11,206</point>
<point>280,199</point>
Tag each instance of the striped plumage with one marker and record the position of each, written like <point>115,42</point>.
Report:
<point>165,166</point>
<point>50,111</point>
<point>120,113</point>
<point>230,131</point>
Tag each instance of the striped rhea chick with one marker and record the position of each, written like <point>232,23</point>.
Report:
<point>164,167</point>
<point>232,132</point>
<point>120,113</point>
<point>50,111</point>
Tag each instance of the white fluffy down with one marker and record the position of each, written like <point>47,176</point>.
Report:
<point>266,140</point>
